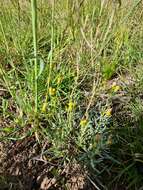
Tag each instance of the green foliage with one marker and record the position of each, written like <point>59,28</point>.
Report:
<point>63,92</point>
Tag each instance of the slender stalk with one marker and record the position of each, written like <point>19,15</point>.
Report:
<point>51,53</point>
<point>34,29</point>
<point>52,42</point>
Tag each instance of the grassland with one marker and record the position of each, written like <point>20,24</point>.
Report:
<point>71,94</point>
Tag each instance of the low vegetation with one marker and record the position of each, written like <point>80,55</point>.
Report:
<point>71,100</point>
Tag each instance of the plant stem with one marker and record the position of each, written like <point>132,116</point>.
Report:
<point>34,29</point>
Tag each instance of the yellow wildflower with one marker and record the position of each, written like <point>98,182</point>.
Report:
<point>83,122</point>
<point>115,87</point>
<point>52,91</point>
<point>44,107</point>
<point>108,112</point>
<point>71,106</point>
<point>59,80</point>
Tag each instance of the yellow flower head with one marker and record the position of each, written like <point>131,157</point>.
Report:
<point>59,79</point>
<point>52,91</point>
<point>108,112</point>
<point>44,107</point>
<point>83,122</point>
<point>115,87</point>
<point>71,106</point>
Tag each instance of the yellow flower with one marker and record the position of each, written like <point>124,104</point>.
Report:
<point>108,112</point>
<point>115,87</point>
<point>59,80</point>
<point>44,107</point>
<point>83,122</point>
<point>71,106</point>
<point>52,91</point>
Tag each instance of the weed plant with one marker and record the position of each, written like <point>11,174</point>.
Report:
<point>61,65</point>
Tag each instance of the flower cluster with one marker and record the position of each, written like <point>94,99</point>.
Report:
<point>115,87</point>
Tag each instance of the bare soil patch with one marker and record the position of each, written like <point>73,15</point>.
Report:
<point>23,167</point>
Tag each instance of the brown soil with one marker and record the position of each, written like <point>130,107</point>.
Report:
<point>22,167</point>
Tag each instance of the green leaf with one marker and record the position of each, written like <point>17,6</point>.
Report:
<point>8,129</point>
<point>42,65</point>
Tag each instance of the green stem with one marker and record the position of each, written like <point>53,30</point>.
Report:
<point>34,29</point>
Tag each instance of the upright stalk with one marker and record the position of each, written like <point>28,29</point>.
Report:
<point>52,42</point>
<point>34,29</point>
<point>51,54</point>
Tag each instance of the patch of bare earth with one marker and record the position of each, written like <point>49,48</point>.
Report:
<point>22,167</point>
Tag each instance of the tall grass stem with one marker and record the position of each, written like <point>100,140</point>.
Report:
<point>34,29</point>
